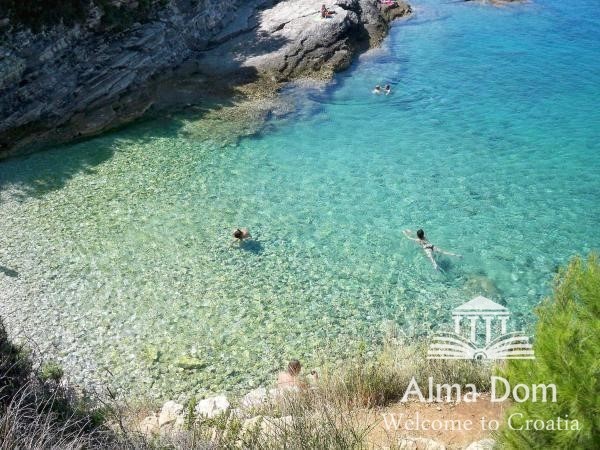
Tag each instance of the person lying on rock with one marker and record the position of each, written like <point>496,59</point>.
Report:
<point>325,12</point>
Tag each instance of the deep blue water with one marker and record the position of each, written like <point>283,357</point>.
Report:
<point>490,141</point>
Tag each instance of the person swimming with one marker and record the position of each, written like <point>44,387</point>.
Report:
<point>377,90</point>
<point>388,89</point>
<point>240,234</point>
<point>428,247</point>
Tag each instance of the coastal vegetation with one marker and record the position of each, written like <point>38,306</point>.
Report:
<point>36,15</point>
<point>38,410</point>
<point>566,350</point>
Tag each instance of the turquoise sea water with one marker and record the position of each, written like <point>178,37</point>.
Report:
<point>115,252</point>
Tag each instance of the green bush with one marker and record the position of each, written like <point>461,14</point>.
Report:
<point>36,414</point>
<point>51,371</point>
<point>566,349</point>
<point>35,14</point>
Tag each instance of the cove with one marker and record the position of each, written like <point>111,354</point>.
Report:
<point>116,251</point>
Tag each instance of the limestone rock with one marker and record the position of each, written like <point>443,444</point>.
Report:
<point>255,398</point>
<point>149,425</point>
<point>170,414</point>
<point>189,363</point>
<point>66,83</point>
<point>212,407</point>
<point>420,444</point>
<point>274,426</point>
<point>484,444</point>
<point>252,425</point>
<point>395,10</point>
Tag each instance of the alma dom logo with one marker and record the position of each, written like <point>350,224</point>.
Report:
<point>514,345</point>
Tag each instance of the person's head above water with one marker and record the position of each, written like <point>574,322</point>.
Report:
<point>294,367</point>
<point>420,233</point>
<point>387,87</point>
<point>377,87</point>
<point>241,233</point>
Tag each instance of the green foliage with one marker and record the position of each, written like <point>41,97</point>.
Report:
<point>37,414</point>
<point>190,417</point>
<point>118,18</point>
<point>15,367</point>
<point>51,371</point>
<point>35,14</point>
<point>567,354</point>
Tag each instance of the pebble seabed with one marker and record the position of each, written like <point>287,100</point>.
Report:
<point>116,256</point>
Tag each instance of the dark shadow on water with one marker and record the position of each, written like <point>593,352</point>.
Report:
<point>188,96</point>
<point>40,173</point>
<point>9,272</point>
<point>48,170</point>
<point>252,247</point>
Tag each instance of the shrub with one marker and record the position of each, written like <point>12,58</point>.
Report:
<point>51,371</point>
<point>36,14</point>
<point>566,349</point>
<point>37,414</point>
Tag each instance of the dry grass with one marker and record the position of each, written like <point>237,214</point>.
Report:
<point>37,412</point>
<point>367,383</point>
<point>331,414</point>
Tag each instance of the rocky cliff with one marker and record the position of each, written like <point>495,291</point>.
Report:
<point>66,82</point>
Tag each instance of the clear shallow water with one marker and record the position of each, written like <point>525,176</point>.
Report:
<point>490,142</point>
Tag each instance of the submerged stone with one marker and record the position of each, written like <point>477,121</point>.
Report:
<point>189,363</point>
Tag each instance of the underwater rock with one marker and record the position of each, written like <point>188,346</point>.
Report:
<point>189,363</point>
<point>482,285</point>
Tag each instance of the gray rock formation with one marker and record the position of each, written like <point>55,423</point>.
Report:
<point>212,407</point>
<point>64,83</point>
<point>484,444</point>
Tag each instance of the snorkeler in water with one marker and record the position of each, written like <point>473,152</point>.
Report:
<point>428,247</point>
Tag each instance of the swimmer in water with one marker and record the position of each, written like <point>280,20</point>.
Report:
<point>388,89</point>
<point>377,90</point>
<point>427,246</point>
<point>240,234</point>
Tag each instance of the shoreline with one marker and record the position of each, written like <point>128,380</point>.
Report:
<point>141,74</point>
